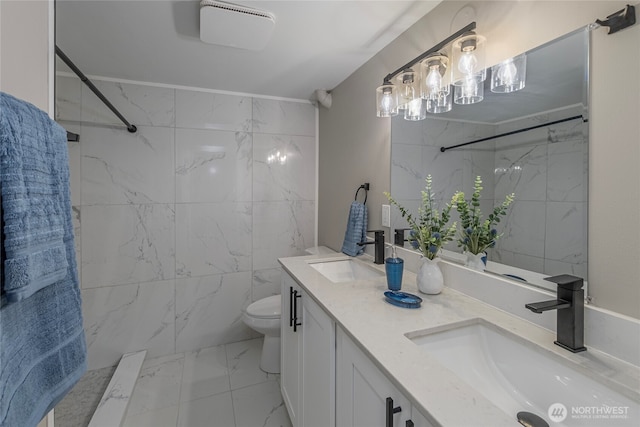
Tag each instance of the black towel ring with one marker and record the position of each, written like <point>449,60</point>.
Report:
<point>364,187</point>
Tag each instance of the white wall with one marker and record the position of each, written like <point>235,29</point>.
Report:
<point>179,226</point>
<point>355,145</point>
<point>26,37</point>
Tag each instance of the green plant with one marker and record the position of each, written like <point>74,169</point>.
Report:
<point>478,235</point>
<point>429,231</point>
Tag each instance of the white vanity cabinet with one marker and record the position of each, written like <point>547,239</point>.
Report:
<point>291,348</point>
<point>307,359</point>
<point>364,395</point>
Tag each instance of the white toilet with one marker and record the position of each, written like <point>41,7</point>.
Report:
<point>264,316</point>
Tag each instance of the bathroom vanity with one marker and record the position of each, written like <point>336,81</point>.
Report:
<point>351,359</point>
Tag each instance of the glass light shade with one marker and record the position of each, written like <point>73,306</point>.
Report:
<point>468,58</point>
<point>409,84</point>
<point>509,76</point>
<point>441,103</point>
<point>416,110</point>
<point>470,92</point>
<point>387,100</point>
<point>436,76</point>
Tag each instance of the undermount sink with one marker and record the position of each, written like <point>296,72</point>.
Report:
<point>518,377</point>
<point>346,270</point>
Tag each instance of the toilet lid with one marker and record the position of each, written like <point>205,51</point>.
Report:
<point>266,308</point>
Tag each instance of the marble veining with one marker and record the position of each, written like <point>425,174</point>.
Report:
<point>115,400</point>
<point>177,201</point>
<point>122,319</point>
<point>119,167</point>
<point>213,238</point>
<point>266,283</point>
<point>283,117</point>
<point>291,179</point>
<point>125,244</point>
<point>207,397</point>
<point>283,228</point>
<point>202,110</point>
<point>213,166</point>
<point>209,310</point>
<point>545,166</point>
<point>141,105</point>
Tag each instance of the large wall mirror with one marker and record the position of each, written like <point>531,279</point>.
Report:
<point>545,230</point>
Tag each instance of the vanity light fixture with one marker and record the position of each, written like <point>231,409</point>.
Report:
<point>423,85</point>
<point>509,76</point>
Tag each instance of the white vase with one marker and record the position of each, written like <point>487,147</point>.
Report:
<point>429,278</point>
<point>476,261</point>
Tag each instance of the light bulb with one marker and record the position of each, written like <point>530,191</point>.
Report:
<point>510,75</point>
<point>468,63</point>
<point>386,100</point>
<point>507,73</point>
<point>434,79</point>
<point>385,104</point>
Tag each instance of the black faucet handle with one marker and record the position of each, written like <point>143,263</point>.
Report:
<point>567,281</point>
<point>379,234</point>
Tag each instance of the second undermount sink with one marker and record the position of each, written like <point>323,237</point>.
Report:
<point>515,376</point>
<point>345,270</point>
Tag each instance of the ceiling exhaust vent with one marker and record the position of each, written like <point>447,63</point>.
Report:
<point>228,24</point>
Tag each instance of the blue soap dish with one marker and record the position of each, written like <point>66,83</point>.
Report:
<point>402,299</point>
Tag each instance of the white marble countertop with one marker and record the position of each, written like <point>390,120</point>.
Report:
<point>379,329</point>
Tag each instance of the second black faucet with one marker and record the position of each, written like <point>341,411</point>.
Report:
<point>378,241</point>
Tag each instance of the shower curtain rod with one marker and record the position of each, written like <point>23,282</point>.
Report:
<point>131,128</point>
<point>513,132</point>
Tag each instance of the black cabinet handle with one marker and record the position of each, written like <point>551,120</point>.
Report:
<point>409,423</point>
<point>290,306</point>
<point>296,295</point>
<point>390,411</point>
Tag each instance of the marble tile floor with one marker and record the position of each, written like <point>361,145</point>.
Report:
<point>214,387</point>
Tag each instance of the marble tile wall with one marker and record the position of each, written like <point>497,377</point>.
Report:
<point>415,153</point>
<point>179,226</point>
<point>547,169</point>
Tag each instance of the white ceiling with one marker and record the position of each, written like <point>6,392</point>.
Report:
<point>315,44</point>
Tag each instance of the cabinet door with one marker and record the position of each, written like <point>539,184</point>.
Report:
<point>418,420</point>
<point>362,391</point>
<point>290,348</point>
<point>318,366</point>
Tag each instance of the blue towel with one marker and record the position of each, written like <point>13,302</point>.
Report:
<point>42,343</point>
<point>356,229</point>
<point>34,165</point>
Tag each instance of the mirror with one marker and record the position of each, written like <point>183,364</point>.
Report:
<point>545,229</point>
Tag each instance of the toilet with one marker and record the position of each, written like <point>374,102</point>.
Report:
<point>264,316</point>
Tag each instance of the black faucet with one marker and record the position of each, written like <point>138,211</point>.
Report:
<point>379,245</point>
<point>570,306</point>
<point>398,238</point>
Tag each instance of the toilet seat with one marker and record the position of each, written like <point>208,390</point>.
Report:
<point>266,308</point>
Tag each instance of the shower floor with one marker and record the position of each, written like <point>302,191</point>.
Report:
<point>77,407</point>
